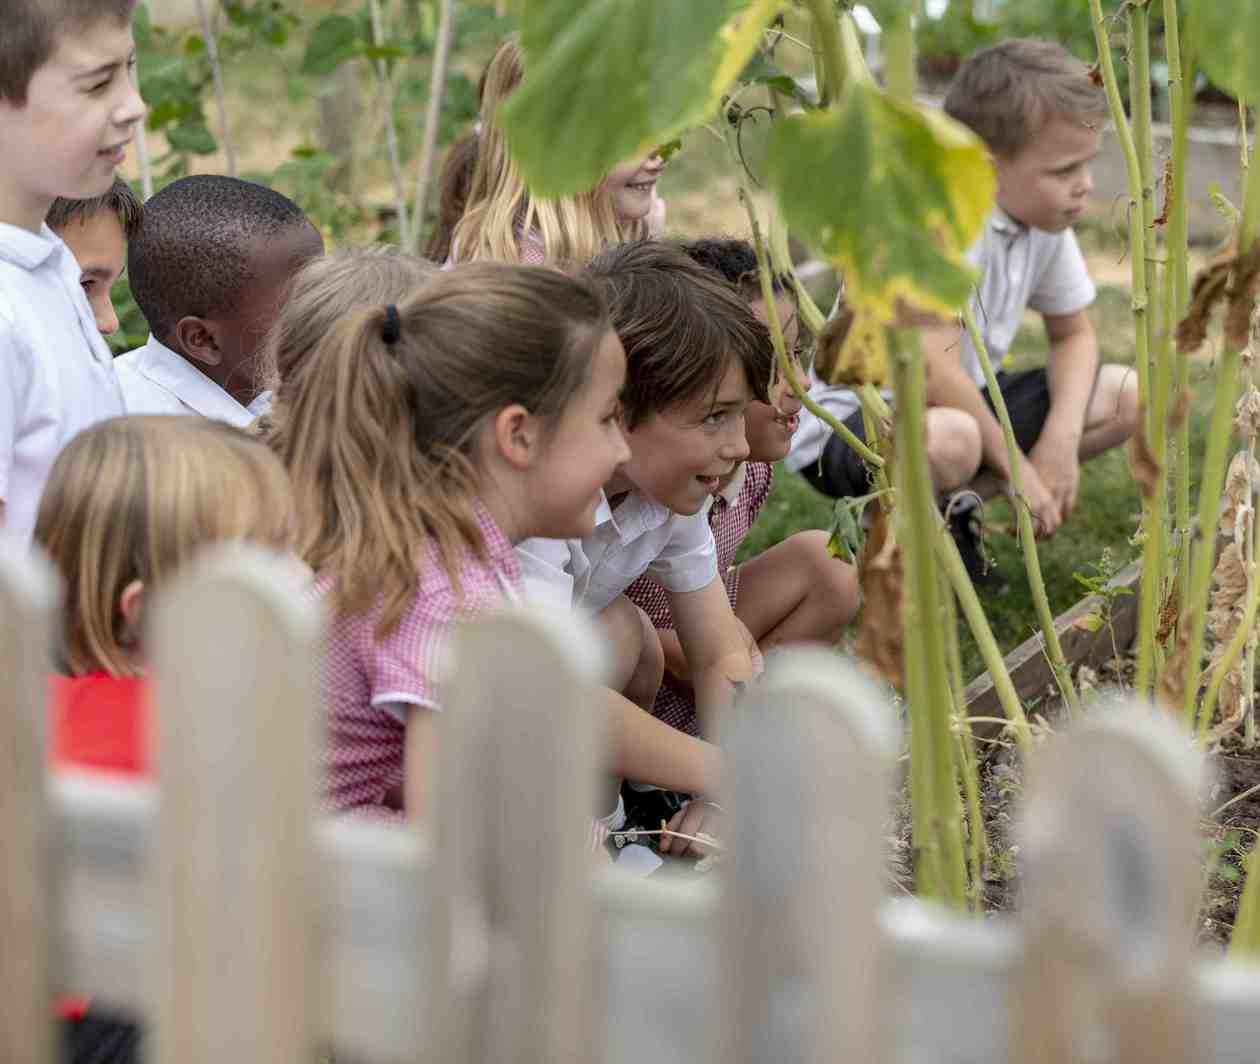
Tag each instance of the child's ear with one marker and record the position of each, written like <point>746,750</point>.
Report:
<point>517,436</point>
<point>131,607</point>
<point>197,340</point>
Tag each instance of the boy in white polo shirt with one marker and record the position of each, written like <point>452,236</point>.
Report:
<point>209,269</point>
<point>68,106</point>
<point>695,357</point>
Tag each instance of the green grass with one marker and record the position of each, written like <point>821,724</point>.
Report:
<point>1105,519</point>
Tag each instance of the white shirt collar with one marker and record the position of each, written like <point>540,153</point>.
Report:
<point>174,373</point>
<point>26,249</point>
<point>731,492</point>
<point>635,516</point>
<point>1004,223</point>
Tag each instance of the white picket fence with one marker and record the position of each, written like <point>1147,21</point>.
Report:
<point>217,904</point>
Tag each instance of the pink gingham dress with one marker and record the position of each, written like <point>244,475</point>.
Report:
<point>730,521</point>
<point>370,685</point>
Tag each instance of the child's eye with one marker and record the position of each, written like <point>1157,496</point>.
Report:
<point>88,285</point>
<point>715,418</point>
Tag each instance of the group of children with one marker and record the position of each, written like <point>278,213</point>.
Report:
<point>561,408</point>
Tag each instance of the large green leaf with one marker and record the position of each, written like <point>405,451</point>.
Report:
<point>334,40</point>
<point>1231,52</point>
<point>892,195</point>
<point>607,80</point>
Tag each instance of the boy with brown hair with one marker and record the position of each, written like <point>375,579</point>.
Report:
<point>1041,115</point>
<point>96,231</point>
<point>68,105</point>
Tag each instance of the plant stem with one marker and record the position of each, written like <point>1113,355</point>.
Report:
<point>934,799</point>
<point>1177,284</point>
<point>1213,476</point>
<point>1027,537</point>
<point>216,73</point>
<point>432,120</point>
<point>899,55</point>
<point>948,558</point>
<point>1244,943</point>
<point>831,77</point>
<point>391,130</point>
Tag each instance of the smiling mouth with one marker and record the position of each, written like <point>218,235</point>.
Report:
<point>117,153</point>
<point>642,186</point>
<point>790,422</point>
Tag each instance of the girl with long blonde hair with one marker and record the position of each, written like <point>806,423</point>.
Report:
<point>503,221</point>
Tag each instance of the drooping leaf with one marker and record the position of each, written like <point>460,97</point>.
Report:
<point>1232,59</point>
<point>192,137</point>
<point>607,80</point>
<point>334,40</point>
<point>892,195</point>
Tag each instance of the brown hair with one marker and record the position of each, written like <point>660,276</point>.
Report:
<point>327,290</point>
<point>681,326</point>
<point>120,201</point>
<point>134,498</point>
<point>1008,92</point>
<point>378,436</point>
<point>454,184</point>
<point>31,29</point>
<point>500,211</point>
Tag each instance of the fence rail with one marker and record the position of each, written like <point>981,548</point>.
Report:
<point>216,902</point>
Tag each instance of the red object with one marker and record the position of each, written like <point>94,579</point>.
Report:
<point>99,722</point>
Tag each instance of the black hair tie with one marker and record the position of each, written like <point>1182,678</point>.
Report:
<point>392,329</point>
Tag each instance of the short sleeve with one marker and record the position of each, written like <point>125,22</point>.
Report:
<point>13,385</point>
<point>406,666</point>
<point>1064,285</point>
<point>688,561</point>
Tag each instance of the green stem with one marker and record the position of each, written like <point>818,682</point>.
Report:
<point>832,76</point>
<point>1177,287</point>
<point>1155,405</point>
<point>1244,944</point>
<point>899,55</point>
<point>1213,476</point>
<point>948,558</point>
<point>781,262</point>
<point>936,808</point>
<point>1027,537</point>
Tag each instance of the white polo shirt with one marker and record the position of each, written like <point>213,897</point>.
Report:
<point>1021,268</point>
<point>640,536</point>
<point>157,380</point>
<point>56,371</point>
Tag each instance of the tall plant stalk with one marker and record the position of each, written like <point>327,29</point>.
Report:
<point>216,74</point>
<point>1213,476</point>
<point>386,85</point>
<point>432,120</point>
<point>1027,535</point>
<point>1177,282</point>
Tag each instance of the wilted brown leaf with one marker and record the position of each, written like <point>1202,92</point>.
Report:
<point>1168,613</point>
<point>1142,463</point>
<point>880,574</point>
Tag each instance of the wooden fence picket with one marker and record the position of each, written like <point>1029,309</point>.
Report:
<point>1110,883</point>
<point>511,933</point>
<point>809,753</point>
<point>29,887</point>
<point>238,719</point>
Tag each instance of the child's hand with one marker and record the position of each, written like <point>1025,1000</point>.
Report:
<point>1046,516</point>
<point>1057,463</point>
<point>697,816</point>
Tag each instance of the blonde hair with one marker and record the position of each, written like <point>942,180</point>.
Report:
<point>378,436</point>
<point>133,499</point>
<point>324,292</point>
<point>500,211</point>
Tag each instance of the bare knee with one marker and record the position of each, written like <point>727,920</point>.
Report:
<point>832,586</point>
<point>1114,411</point>
<point>1128,410</point>
<point>953,446</point>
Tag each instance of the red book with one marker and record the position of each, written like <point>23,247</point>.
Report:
<point>99,722</point>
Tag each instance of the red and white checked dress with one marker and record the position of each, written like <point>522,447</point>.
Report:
<point>369,684</point>
<point>730,522</point>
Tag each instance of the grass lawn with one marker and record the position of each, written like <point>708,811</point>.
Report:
<point>1104,522</point>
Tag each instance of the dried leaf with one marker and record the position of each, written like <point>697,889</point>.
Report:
<point>1240,482</point>
<point>1168,613</point>
<point>880,574</point>
<point>1168,193</point>
<point>1247,412</point>
<point>1181,407</point>
<point>1090,622</point>
<point>1172,681</point>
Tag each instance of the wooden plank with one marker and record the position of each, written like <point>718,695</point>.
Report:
<point>238,722</point>
<point>1030,670</point>
<point>28,889</point>
<point>1110,890</point>
<point>809,754</point>
<point>511,921</point>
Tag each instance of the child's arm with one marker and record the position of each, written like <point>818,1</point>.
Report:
<point>419,762</point>
<point>1072,367</point>
<point>648,750</point>
<point>714,645</point>
<point>949,385</point>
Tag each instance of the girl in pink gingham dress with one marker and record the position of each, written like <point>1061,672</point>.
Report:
<point>423,440</point>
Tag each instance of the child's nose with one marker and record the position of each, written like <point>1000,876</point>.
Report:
<point>623,448</point>
<point>133,108</point>
<point>735,446</point>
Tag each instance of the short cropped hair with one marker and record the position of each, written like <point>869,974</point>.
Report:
<point>31,29</point>
<point>120,201</point>
<point>1007,93</point>
<point>192,254</point>
<point>736,261</point>
<point>680,325</point>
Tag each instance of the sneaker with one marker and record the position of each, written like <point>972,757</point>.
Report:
<point>966,525</point>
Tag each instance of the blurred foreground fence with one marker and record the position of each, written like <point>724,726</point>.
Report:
<point>219,906</point>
